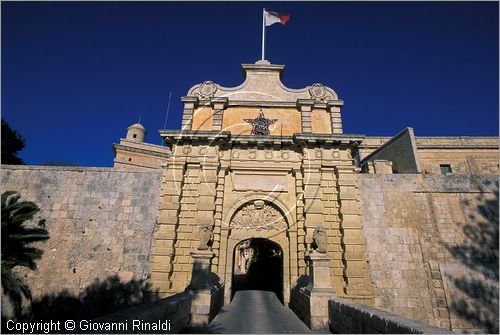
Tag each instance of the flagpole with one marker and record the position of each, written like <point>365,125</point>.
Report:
<point>263,32</point>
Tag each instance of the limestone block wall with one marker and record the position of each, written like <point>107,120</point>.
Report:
<point>465,155</point>
<point>432,247</point>
<point>100,220</point>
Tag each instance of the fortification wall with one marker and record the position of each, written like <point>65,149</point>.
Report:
<point>101,224</point>
<point>432,247</point>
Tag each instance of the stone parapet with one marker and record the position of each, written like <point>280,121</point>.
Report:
<point>169,315</point>
<point>348,317</point>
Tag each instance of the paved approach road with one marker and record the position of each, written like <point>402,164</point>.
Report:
<point>258,312</point>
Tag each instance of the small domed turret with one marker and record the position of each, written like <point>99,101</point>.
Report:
<point>136,133</point>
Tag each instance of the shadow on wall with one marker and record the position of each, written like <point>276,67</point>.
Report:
<point>478,303</point>
<point>101,298</point>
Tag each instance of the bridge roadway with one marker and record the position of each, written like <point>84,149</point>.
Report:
<point>256,312</point>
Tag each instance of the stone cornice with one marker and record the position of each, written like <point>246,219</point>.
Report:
<point>140,150</point>
<point>174,136</point>
<point>457,146</point>
<point>345,139</point>
<point>219,100</point>
<point>262,139</point>
<point>271,104</point>
<point>261,67</point>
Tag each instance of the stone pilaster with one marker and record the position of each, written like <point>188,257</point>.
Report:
<point>305,108</point>
<point>188,225</point>
<point>332,224</point>
<point>336,119</point>
<point>313,204</point>
<point>208,207</point>
<point>358,286</point>
<point>165,235</point>
<point>190,104</point>
<point>301,231</point>
<point>218,105</point>
<point>219,200</point>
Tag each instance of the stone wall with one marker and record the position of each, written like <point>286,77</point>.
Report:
<point>171,315</point>
<point>347,317</point>
<point>101,224</point>
<point>401,150</point>
<point>465,154</point>
<point>432,247</point>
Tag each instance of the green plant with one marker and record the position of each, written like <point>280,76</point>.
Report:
<point>17,236</point>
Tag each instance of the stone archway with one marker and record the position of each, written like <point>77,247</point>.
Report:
<point>258,265</point>
<point>252,220</point>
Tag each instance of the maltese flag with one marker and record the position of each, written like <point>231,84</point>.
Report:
<point>273,17</point>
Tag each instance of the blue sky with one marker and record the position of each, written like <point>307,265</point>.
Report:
<point>75,75</point>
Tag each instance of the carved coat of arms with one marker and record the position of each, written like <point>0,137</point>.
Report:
<point>258,216</point>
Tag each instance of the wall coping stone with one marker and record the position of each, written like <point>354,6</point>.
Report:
<point>377,317</point>
<point>77,169</point>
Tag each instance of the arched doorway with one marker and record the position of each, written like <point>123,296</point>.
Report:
<point>258,265</point>
<point>267,224</point>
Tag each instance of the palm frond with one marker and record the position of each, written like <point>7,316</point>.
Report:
<point>16,238</point>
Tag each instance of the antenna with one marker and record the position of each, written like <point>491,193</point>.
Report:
<point>140,116</point>
<point>168,108</point>
<point>166,116</point>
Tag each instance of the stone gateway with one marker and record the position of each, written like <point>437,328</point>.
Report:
<point>262,189</point>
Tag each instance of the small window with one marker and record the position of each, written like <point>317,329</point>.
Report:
<point>130,159</point>
<point>135,135</point>
<point>445,168</point>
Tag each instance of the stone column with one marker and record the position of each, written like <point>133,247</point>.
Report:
<point>218,105</point>
<point>319,289</point>
<point>190,104</point>
<point>305,107</point>
<point>200,288</point>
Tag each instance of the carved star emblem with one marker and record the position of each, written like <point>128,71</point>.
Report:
<point>260,125</point>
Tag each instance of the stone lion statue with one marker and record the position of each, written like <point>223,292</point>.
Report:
<point>320,239</point>
<point>205,235</point>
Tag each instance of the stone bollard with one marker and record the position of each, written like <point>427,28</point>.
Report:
<point>319,290</point>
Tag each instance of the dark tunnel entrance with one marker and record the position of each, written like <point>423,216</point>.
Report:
<point>258,265</point>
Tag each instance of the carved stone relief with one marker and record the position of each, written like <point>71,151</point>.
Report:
<point>258,215</point>
<point>204,236</point>
<point>207,90</point>
<point>320,240</point>
<point>260,125</point>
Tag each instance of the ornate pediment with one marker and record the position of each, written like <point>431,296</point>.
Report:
<point>263,83</point>
<point>258,215</point>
